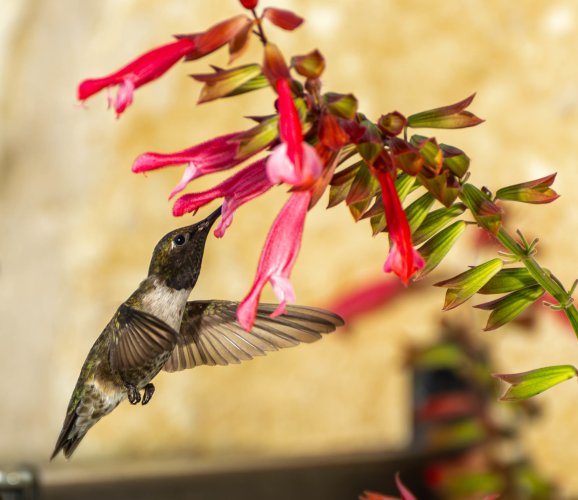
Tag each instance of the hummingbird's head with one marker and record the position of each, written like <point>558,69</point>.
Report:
<point>177,257</point>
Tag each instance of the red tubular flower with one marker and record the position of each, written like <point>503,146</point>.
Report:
<point>277,259</point>
<point>403,259</point>
<point>238,189</point>
<point>293,161</point>
<point>208,157</point>
<point>144,69</point>
<point>249,4</point>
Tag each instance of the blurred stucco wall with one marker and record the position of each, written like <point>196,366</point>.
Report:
<point>78,228</point>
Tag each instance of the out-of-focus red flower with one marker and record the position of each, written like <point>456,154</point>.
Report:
<point>208,157</point>
<point>277,259</point>
<point>293,161</point>
<point>144,69</point>
<point>366,299</point>
<point>238,189</point>
<point>249,4</point>
<point>403,259</point>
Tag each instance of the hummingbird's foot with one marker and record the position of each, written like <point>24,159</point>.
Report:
<point>147,394</point>
<point>133,394</point>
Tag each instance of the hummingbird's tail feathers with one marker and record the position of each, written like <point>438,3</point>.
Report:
<point>70,436</point>
<point>211,335</point>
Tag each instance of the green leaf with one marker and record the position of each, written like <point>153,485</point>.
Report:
<point>435,221</point>
<point>463,286</point>
<point>507,308</point>
<point>487,214</point>
<point>537,191</point>
<point>452,116</point>
<point>358,209</point>
<point>430,152</point>
<point>437,247</point>
<point>528,384</point>
<point>417,211</point>
<point>341,184</point>
<point>508,280</point>
<point>364,186</point>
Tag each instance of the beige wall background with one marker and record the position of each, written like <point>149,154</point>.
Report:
<point>78,227</point>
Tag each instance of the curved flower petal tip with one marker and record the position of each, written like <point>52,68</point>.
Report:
<point>143,69</point>
<point>245,185</point>
<point>404,263</point>
<point>277,258</point>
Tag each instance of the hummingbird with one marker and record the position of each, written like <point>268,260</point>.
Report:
<point>157,328</point>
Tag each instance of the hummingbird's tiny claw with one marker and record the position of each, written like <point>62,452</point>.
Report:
<point>133,394</point>
<point>148,392</point>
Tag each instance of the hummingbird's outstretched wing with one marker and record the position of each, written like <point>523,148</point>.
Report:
<point>138,339</point>
<point>211,335</point>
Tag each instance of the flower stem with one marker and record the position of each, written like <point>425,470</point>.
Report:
<point>260,32</point>
<point>542,277</point>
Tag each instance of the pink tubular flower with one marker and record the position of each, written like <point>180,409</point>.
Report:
<point>277,259</point>
<point>144,69</point>
<point>208,157</point>
<point>293,161</point>
<point>403,259</point>
<point>238,189</point>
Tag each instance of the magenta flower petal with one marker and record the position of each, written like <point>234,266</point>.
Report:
<point>144,69</point>
<point>245,185</point>
<point>277,258</point>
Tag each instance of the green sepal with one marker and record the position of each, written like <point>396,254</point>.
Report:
<point>443,187</point>
<point>417,211</point>
<point>528,384</point>
<point>392,124</point>
<point>226,83</point>
<point>258,137</point>
<point>455,160</point>
<point>436,248</point>
<point>537,191</point>
<point>341,105</point>
<point>309,65</point>
<point>436,221</point>
<point>430,151</point>
<point>452,116</point>
<point>487,214</point>
<point>371,145</point>
<point>508,280</point>
<point>505,309</point>
<point>463,286</point>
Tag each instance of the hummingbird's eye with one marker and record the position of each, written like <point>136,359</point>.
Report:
<point>179,240</point>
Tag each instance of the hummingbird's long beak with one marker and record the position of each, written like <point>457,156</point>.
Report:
<point>206,223</point>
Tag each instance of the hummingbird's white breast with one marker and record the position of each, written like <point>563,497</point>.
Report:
<point>166,303</point>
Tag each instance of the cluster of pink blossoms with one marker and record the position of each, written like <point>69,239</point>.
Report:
<point>289,159</point>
